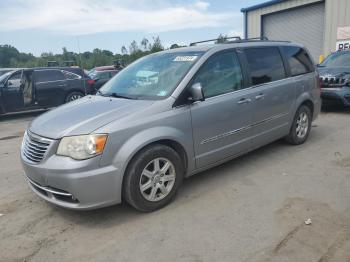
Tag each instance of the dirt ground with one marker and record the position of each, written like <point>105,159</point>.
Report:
<point>249,209</point>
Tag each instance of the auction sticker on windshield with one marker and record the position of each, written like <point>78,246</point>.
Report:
<point>185,58</point>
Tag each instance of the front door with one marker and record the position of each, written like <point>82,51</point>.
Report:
<point>221,123</point>
<point>12,92</point>
<point>274,93</point>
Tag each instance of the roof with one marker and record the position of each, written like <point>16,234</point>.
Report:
<point>103,68</point>
<point>258,6</point>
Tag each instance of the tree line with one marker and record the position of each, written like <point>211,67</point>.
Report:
<point>11,57</point>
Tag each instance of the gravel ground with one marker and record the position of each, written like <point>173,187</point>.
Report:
<point>250,209</point>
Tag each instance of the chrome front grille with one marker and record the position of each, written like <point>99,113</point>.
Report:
<point>34,147</point>
<point>328,82</point>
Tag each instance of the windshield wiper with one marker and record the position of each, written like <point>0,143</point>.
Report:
<point>117,96</point>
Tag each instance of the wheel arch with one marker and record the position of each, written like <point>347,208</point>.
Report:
<point>168,136</point>
<point>70,91</point>
<point>305,99</point>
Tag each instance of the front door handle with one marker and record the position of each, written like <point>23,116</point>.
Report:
<point>244,101</point>
<point>259,96</point>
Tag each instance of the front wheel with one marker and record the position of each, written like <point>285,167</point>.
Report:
<point>301,126</point>
<point>152,178</point>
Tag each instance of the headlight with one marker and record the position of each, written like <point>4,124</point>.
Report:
<point>82,147</point>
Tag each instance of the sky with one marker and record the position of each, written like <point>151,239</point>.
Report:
<point>36,26</point>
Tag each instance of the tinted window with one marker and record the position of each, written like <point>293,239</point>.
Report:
<point>49,75</point>
<point>298,60</point>
<point>70,75</point>
<point>220,74</point>
<point>265,65</point>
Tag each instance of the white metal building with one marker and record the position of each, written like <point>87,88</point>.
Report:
<point>317,24</point>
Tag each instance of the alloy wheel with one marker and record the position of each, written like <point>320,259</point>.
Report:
<point>157,179</point>
<point>302,126</point>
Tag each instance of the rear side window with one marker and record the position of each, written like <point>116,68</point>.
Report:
<point>49,75</point>
<point>265,65</point>
<point>70,75</point>
<point>220,74</point>
<point>298,60</point>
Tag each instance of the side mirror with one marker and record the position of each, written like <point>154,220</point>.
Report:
<point>9,83</point>
<point>196,92</point>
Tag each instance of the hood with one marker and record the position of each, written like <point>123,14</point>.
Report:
<point>341,71</point>
<point>84,115</point>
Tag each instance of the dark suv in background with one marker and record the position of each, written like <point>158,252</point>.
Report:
<point>36,88</point>
<point>335,79</point>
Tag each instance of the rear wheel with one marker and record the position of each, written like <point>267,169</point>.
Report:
<point>152,178</point>
<point>301,126</point>
<point>73,96</point>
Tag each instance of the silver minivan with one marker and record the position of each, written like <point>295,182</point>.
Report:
<point>199,106</point>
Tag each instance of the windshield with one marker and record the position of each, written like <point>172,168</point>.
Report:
<point>152,77</point>
<point>4,77</point>
<point>337,59</point>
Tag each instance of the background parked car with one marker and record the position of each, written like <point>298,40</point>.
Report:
<point>35,88</point>
<point>335,79</point>
<point>101,75</point>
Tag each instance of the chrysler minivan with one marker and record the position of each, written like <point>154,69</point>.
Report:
<point>136,142</point>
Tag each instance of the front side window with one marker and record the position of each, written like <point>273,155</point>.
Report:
<point>220,74</point>
<point>153,77</point>
<point>265,65</point>
<point>298,60</point>
<point>15,80</point>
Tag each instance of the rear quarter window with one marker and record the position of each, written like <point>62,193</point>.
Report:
<point>264,64</point>
<point>70,75</point>
<point>298,60</point>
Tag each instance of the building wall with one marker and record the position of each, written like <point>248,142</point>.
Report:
<point>254,17</point>
<point>337,15</point>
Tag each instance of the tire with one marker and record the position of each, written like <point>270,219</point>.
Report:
<point>301,126</point>
<point>144,184</point>
<point>73,96</point>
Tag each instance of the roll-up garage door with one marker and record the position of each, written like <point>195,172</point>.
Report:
<point>304,25</point>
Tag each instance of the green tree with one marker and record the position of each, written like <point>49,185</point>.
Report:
<point>145,44</point>
<point>156,45</point>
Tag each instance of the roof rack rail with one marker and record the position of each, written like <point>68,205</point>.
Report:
<point>211,40</point>
<point>240,40</point>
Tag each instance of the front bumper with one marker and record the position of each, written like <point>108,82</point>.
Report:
<point>336,96</point>
<point>68,183</point>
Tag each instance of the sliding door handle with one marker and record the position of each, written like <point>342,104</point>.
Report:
<point>244,101</point>
<point>259,96</point>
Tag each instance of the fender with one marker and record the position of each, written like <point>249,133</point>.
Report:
<point>146,137</point>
